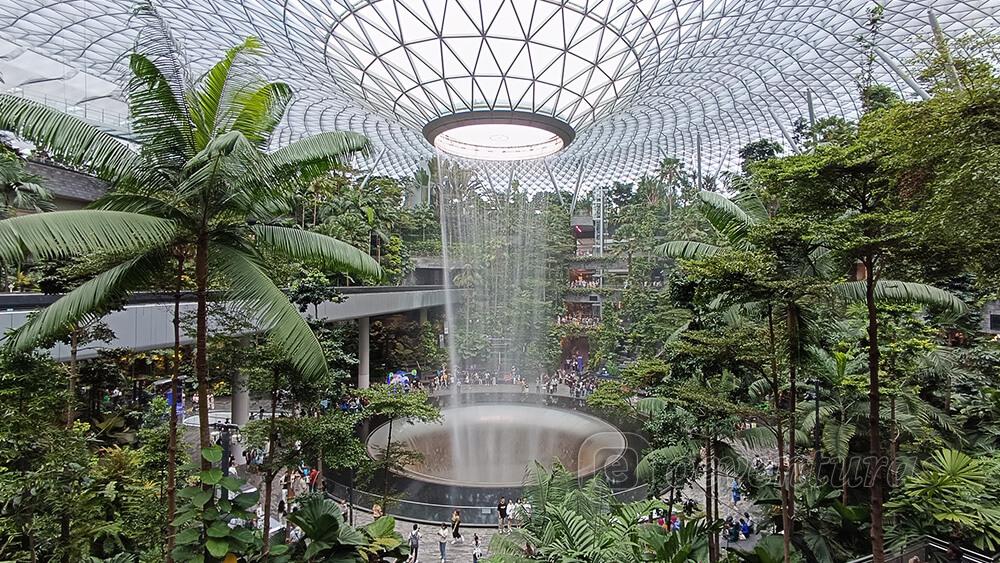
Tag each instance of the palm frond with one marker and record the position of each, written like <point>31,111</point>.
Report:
<point>222,145</point>
<point>216,88</point>
<point>758,437</point>
<point>752,205</point>
<point>650,406</point>
<point>324,147</point>
<point>837,437</point>
<point>139,203</point>
<point>309,246</point>
<point>70,233</point>
<point>259,110</point>
<point>759,389</point>
<point>251,290</point>
<point>70,139</point>
<point>158,113</point>
<point>726,217</point>
<point>91,297</point>
<point>687,249</point>
<point>902,292</point>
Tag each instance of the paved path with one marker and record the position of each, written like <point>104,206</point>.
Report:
<point>457,553</point>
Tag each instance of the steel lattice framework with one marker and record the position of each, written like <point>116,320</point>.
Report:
<point>636,79</point>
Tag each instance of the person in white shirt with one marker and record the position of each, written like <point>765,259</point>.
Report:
<point>443,540</point>
<point>513,513</point>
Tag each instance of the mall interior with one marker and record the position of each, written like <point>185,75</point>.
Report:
<point>589,281</point>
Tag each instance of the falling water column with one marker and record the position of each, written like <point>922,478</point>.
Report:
<point>364,370</point>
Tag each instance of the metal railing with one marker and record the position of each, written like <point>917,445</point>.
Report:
<point>933,549</point>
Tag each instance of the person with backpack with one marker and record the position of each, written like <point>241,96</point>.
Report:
<point>414,540</point>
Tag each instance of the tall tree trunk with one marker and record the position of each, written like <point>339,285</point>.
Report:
<point>715,493</point>
<point>673,489</point>
<point>877,495</point>
<point>272,437</point>
<point>844,479</point>
<point>201,343</point>
<point>64,536</point>
<point>387,459</point>
<point>710,517</point>
<point>786,517</point>
<point>792,320</point>
<point>893,437</point>
<point>172,439</point>
<point>74,341</point>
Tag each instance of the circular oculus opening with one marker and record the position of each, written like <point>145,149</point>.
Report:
<point>498,135</point>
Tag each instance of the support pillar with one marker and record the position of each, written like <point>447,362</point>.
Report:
<point>239,411</point>
<point>902,74</point>
<point>423,316</point>
<point>364,367</point>
<point>784,131</point>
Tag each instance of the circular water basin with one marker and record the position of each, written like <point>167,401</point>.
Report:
<point>494,445</point>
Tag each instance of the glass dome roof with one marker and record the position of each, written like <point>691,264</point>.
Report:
<point>636,80</point>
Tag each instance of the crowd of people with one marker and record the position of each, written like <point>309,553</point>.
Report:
<point>580,385</point>
<point>582,283</point>
<point>580,320</point>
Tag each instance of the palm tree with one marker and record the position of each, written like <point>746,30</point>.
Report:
<point>22,191</point>
<point>564,521</point>
<point>704,446</point>
<point>733,220</point>
<point>197,187</point>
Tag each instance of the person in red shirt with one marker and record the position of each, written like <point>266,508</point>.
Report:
<point>313,479</point>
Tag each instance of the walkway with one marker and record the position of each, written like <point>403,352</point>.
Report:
<point>146,323</point>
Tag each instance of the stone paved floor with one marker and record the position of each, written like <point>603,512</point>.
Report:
<point>457,553</point>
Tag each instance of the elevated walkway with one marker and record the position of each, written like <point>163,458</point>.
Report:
<point>146,323</point>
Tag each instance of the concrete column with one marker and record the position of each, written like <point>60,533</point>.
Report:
<point>423,315</point>
<point>364,368</point>
<point>239,411</point>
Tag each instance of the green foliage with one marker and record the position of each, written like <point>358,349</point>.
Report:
<point>328,538</point>
<point>952,495</point>
<point>22,191</point>
<point>208,527</point>
<point>204,180</point>
<point>573,522</point>
<point>759,151</point>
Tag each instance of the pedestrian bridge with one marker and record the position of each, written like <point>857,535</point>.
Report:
<point>146,323</point>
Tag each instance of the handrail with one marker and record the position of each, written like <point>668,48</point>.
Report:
<point>925,546</point>
<point>28,301</point>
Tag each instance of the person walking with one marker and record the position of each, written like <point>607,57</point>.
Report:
<point>443,541</point>
<point>414,541</point>
<point>456,523</point>
<point>501,514</point>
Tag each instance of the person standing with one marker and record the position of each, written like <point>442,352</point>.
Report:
<point>477,550</point>
<point>456,523</point>
<point>443,541</point>
<point>313,479</point>
<point>344,509</point>
<point>414,541</point>
<point>501,513</point>
<point>513,512</point>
